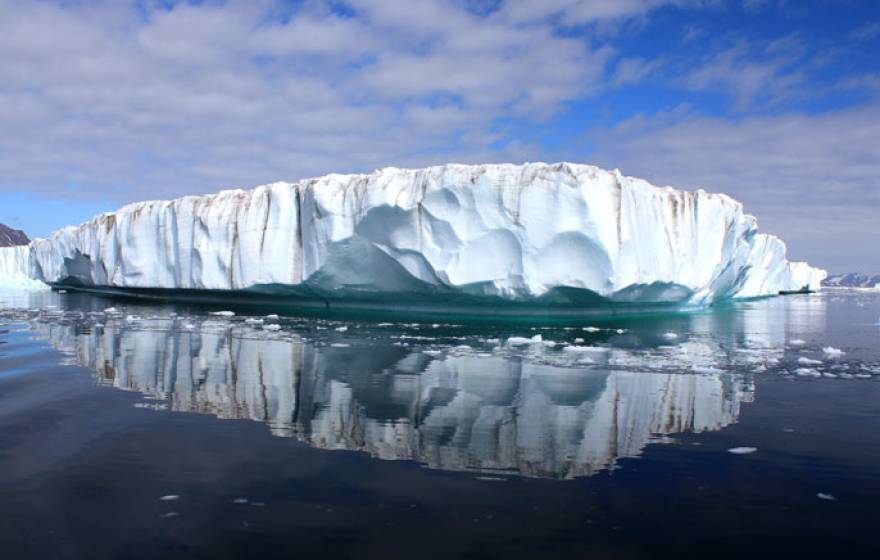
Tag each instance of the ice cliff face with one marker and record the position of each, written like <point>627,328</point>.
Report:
<point>559,233</point>
<point>15,268</point>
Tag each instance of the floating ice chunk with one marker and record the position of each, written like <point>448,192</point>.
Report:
<point>808,361</point>
<point>796,342</point>
<point>340,345</point>
<point>252,321</point>
<point>807,372</point>
<point>111,310</point>
<point>824,496</point>
<point>833,352</point>
<point>188,326</point>
<point>223,313</point>
<point>170,497</point>
<point>742,450</point>
<point>341,329</point>
<point>592,329</point>
<point>620,331</point>
<point>670,336</point>
<point>432,352</point>
<point>578,340</point>
<point>132,318</point>
<point>522,341</point>
<point>582,349</point>
<point>272,317</point>
<point>272,327</point>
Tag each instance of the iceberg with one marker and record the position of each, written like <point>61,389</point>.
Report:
<point>565,236</point>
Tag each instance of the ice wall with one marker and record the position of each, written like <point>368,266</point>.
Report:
<point>558,233</point>
<point>15,269</point>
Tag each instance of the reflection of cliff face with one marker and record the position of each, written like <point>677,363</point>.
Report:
<point>459,412</point>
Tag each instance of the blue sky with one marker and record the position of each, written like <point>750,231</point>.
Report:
<point>774,102</point>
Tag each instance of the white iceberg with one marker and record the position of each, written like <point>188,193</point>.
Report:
<point>562,234</point>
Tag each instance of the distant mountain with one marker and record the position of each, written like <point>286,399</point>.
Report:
<point>853,280</point>
<point>10,237</point>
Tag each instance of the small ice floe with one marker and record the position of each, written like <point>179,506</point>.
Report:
<point>582,349</point>
<point>519,340</point>
<point>272,327</point>
<point>341,329</point>
<point>435,325</point>
<point>111,310</point>
<point>188,326</point>
<point>578,340</point>
<point>620,331</point>
<point>252,321</point>
<point>796,342</point>
<point>833,352</point>
<point>223,313</point>
<point>436,353</point>
<point>385,325</point>
<point>829,375</point>
<point>170,498</point>
<point>807,372</point>
<point>592,329</point>
<point>742,450</point>
<point>240,501</point>
<point>340,345</point>
<point>826,497</point>
<point>99,325</point>
<point>272,317</point>
<point>670,336</point>
<point>169,515</point>
<point>132,318</point>
<point>863,376</point>
<point>809,361</point>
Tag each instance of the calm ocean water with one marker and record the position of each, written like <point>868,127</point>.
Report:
<point>136,431</point>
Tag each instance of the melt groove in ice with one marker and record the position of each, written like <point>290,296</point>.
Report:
<point>518,232</point>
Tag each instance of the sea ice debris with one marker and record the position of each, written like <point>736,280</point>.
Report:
<point>742,450</point>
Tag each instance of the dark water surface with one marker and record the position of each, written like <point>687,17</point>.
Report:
<point>348,438</point>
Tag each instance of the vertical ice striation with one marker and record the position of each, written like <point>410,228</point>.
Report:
<point>561,233</point>
<point>16,270</point>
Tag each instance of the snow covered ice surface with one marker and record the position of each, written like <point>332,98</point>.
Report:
<point>560,234</point>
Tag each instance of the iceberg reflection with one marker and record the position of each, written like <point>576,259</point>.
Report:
<point>455,411</point>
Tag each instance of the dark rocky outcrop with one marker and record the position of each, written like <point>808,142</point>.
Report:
<point>10,237</point>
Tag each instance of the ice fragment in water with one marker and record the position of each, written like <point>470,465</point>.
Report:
<point>742,450</point>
